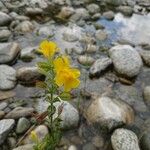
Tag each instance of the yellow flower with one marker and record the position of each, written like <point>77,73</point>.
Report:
<point>34,137</point>
<point>68,78</point>
<point>48,48</point>
<point>61,62</point>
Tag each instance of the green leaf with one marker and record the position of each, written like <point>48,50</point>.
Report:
<point>65,96</point>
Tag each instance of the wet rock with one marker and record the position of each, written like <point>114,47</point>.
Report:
<point>101,35</point>
<point>22,125</point>
<point>9,52</point>
<point>126,10</point>
<point>4,35</point>
<point>126,60</point>
<point>80,14</point>
<point>41,132</point>
<point>93,8</point>
<point>28,75</point>
<point>5,19</point>
<point>85,60</point>
<point>19,112</point>
<point>109,113</point>
<point>146,56</point>
<point>25,147</point>
<point>114,2</point>
<point>99,66</point>
<point>123,139</point>
<point>24,27</point>
<point>3,105</point>
<point>147,95</point>
<point>6,126</point>
<point>109,15</point>
<point>2,114</point>
<point>7,77</point>
<point>144,142</point>
<point>66,12</point>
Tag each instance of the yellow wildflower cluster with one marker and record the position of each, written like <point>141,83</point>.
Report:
<point>66,76</point>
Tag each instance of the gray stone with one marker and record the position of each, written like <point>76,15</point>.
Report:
<point>4,19</point>
<point>19,112</point>
<point>3,105</point>
<point>114,2</point>
<point>41,131</point>
<point>123,139</point>
<point>9,52</point>
<point>126,60</point>
<point>11,142</point>
<point>126,10</point>
<point>80,14</point>
<point>7,77</point>
<point>46,31</point>
<point>144,142</point>
<point>28,75</point>
<point>72,147</point>
<point>147,95</point>
<point>24,27</point>
<point>89,146</point>
<point>22,125</point>
<point>101,35</point>
<point>86,60</point>
<point>109,113</point>
<point>109,15</point>
<point>33,11</point>
<point>66,12</point>
<point>96,16</point>
<point>4,35</point>
<point>145,54</point>
<point>93,8</point>
<point>2,114</point>
<point>91,48</point>
<point>69,37</point>
<point>25,147</point>
<point>99,66</point>
<point>38,3</point>
<point>6,126</point>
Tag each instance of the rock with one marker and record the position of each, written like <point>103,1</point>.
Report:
<point>22,125</point>
<point>69,115</point>
<point>9,52</point>
<point>5,19</point>
<point>69,37</point>
<point>109,15</point>
<point>89,146</point>
<point>91,48</point>
<point>114,2</point>
<point>98,141</point>
<point>4,35</point>
<point>33,11</point>
<point>147,95</point>
<point>93,8</point>
<point>46,31</point>
<point>7,77</point>
<point>38,3</point>
<point>25,147</point>
<point>66,12</point>
<point>98,26</point>
<point>123,139</point>
<point>6,94</point>
<point>41,131</point>
<point>6,125</point>
<point>28,75</point>
<point>72,147</point>
<point>85,60</point>
<point>144,142</point>
<point>24,27</point>
<point>109,113</point>
<point>80,14</point>
<point>126,10</point>
<point>126,60</point>
<point>101,35</point>
<point>145,54</point>
<point>11,142</point>
<point>96,16</point>
<point>3,105</point>
<point>2,114</point>
<point>99,66</point>
<point>19,112</point>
